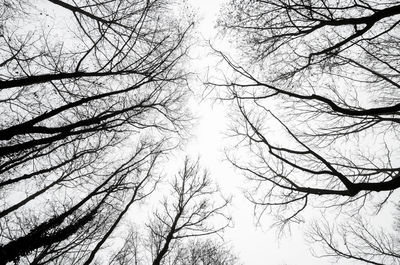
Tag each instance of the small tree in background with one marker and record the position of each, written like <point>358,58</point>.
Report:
<point>182,229</point>
<point>190,211</point>
<point>205,252</point>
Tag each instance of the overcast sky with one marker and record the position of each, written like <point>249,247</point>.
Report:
<point>256,245</point>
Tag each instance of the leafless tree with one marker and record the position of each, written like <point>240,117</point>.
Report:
<point>205,252</point>
<point>357,240</point>
<point>317,101</point>
<point>73,226</point>
<point>183,229</point>
<point>87,109</point>
<point>132,250</point>
<point>192,210</point>
<point>199,251</point>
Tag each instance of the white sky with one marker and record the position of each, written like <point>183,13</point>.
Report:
<point>255,245</point>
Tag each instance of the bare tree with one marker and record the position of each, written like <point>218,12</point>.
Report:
<point>190,211</point>
<point>87,109</point>
<point>205,252</point>
<point>77,228</point>
<point>357,240</point>
<point>317,101</point>
<point>131,251</point>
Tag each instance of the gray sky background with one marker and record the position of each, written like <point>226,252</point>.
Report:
<point>255,244</point>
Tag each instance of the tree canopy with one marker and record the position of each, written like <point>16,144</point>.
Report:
<point>316,95</point>
<point>94,99</point>
<point>92,96</point>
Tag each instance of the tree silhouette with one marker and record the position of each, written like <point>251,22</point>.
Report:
<point>190,211</point>
<point>87,109</point>
<point>357,240</point>
<point>181,230</point>
<point>317,101</point>
<point>207,252</point>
